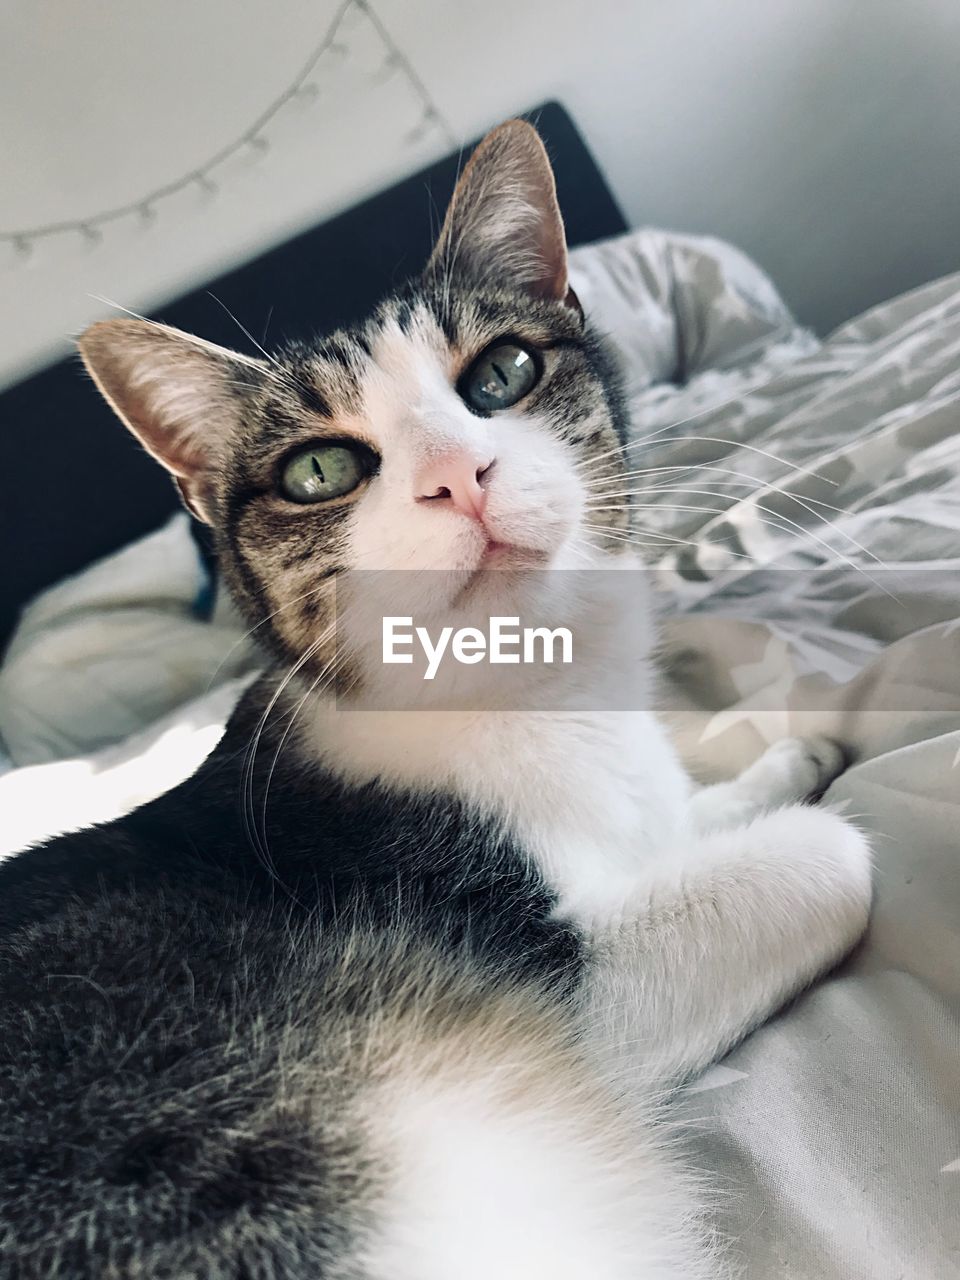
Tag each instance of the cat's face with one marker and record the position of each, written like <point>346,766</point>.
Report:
<point>462,428</point>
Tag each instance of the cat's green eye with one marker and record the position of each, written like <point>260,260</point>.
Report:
<point>501,376</point>
<point>323,472</point>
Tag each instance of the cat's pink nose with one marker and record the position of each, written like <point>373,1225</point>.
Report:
<point>457,479</point>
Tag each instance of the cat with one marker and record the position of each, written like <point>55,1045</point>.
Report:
<point>385,993</point>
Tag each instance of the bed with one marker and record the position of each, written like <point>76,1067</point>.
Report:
<point>799,507</point>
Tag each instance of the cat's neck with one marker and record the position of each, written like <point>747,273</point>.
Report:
<point>581,767</point>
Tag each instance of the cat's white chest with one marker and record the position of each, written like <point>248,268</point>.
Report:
<point>598,807</point>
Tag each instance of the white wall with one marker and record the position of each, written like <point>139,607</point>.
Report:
<point>104,101</point>
<point>821,135</point>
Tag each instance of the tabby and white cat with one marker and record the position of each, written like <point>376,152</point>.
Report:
<point>394,995</point>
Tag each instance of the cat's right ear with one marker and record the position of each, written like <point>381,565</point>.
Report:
<point>504,223</point>
<point>180,396</point>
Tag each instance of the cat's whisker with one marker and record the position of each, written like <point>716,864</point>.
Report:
<point>746,501</point>
<point>720,513</point>
<point>271,359</point>
<point>655,441</point>
<point>678,472</point>
<point>744,477</point>
<point>632,474</point>
<point>579,548</point>
<point>751,448</point>
<point>629,533</point>
<point>794,527</point>
<point>661,541</point>
<point>248,775</point>
<point>249,633</point>
<point>807,504</point>
<point>680,422</point>
<point>322,682</point>
<point>659,506</point>
<point>697,469</point>
<point>802,530</point>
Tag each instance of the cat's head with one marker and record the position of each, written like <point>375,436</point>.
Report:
<point>464,426</point>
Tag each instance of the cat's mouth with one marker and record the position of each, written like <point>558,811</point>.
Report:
<point>508,555</point>
<point>497,557</point>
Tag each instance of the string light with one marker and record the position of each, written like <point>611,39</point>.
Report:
<point>388,67</point>
<point>303,88</point>
<point>423,126</point>
<point>205,183</point>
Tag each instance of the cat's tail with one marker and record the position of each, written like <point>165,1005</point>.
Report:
<point>197,1099</point>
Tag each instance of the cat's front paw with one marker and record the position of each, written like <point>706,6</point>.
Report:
<point>795,769</point>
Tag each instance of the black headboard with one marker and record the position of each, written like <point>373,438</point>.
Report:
<point>75,486</point>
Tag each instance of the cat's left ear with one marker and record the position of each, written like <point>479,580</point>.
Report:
<point>504,223</point>
<point>180,396</point>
